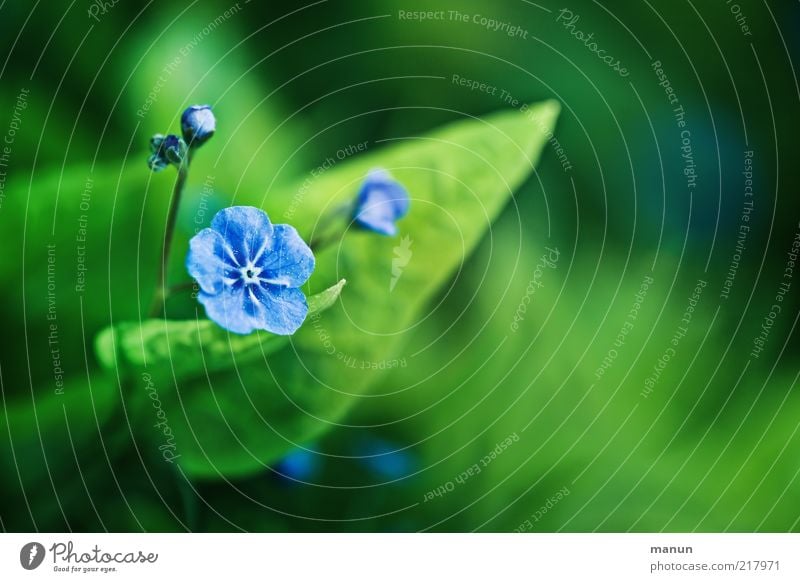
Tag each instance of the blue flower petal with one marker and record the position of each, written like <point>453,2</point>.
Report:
<point>211,261</point>
<point>288,260</point>
<point>381,202</point>
<point>377,216</point>
<point>280,310</point>
<point>247,230</point>
<point>245,308</point>
<point>226,309</point>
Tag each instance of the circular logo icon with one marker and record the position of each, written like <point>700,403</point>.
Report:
<point>31,555</point>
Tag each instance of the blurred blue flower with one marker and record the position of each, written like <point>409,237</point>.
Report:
<point>249,272</point>
<point>385,458</point>
<point>165,150</point>
<point>300,465</point>
<point>381,201</point>
<point>198,124</point>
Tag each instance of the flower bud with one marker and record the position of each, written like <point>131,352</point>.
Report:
<point>380,203</point>
<point>198,125</point>
<point>174,149</point>
<point>166,150</point>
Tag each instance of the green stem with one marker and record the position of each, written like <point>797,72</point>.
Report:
<point>322,241</point>
<point>157,306</point>
<point>189,500</point>
<point>331,226</point>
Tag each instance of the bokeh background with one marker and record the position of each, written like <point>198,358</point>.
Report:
<point>712,445</point>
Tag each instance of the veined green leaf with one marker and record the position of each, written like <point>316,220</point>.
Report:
<point>234,421</point>
<point>195,347</point>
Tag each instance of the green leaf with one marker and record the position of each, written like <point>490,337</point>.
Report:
<point>325,299</point>
<point>192,348</point>
<point>237,421</point>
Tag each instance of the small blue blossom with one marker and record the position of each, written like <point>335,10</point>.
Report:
<point>249,271</point>
<point>386,459</point>
<point>299,465</point>
<point>166,150</point>
<point>381,201</point>
<point>198,124</point>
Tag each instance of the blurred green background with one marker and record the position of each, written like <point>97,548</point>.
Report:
<point>712,447</point>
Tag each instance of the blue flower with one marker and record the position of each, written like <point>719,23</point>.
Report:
<point>298,465</point>
<point>198,124</point>
<point>381,201</point>
<point>166,150</point>
<point>249,272</point>
<point>385,459</point>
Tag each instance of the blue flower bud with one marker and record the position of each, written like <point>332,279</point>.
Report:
<point>381,201</point>
<point>198,124</point>
<point>174,149</point>
<point>157,162</point>
<point>166,150</point>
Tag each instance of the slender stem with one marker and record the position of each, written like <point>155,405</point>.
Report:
<point>159,295</point>
<point>189,500</point>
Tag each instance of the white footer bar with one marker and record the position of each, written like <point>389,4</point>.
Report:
<point>401,557</point>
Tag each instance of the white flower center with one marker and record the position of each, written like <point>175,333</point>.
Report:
<point>250,274</point>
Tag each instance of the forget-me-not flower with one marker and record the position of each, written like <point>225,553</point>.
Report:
<point>198,124</point>
<point>249,271</point>
<point>381,201</point>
